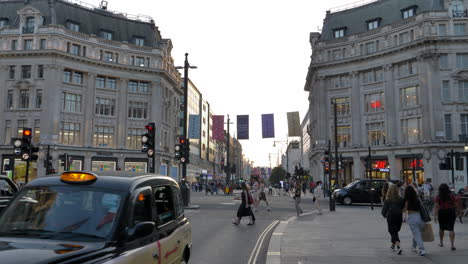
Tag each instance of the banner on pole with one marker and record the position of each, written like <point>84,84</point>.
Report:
<point>218,127</point>
<point>242,127</point>
<point>294,124</point>
<point>194,126</point>
<point>268,126</point>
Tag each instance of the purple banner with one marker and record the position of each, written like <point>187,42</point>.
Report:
<point>242,127</point>
<point>268,126</point>
<point>218,127</point>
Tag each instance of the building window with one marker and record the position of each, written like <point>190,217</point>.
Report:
<point>464,124</point>
<point>8,132</point>
<point>3,22</point>
<point>139,61</point>
<point>407,68</point>
<point>106,34</point>
<point>108,56</point>
<point>14,44</point>
<point>408,12</point>
<point>370,47</point>
<point>463,90</point>
<point>462,60</point>
<point>372,76</point>
<point>376,134</point>
<point>337,54</point>
<point>9,99</point>
<point>29,25</point>
<point>71,102</point>
<point>138,87</point>
<point>37,130</point>
<point>73,26</point>
<point>67,76</point>
<point>409,97</point>
<point>28,44</point>
<point>374,102</point>
<point>458,10</point>
<point>373,24</point>
<point>443,61</point>
<point>411,130</point>
<point>26,72</point>
<point>22,123</point>
<point>43,44</point>
<point>137,110</point>
<point>100,82</point>
<point>78,77</point>
<point>70,76</point>
<point>139,41</point>
<point>442,29</point>
<point>38,98</point>
<point>105,106</point>
<point>69,133</point>
<point>40,71</point>
<point>103,136</point>
<point>404,38</point>
<point>75,49</point>
<point>342,106</point>
<point>23,102</point>
<point>459,29</point>
<point>134,138</point>
<point>344,135</point>
<point>446,91</point>
<point>11,73</point>
<point>111,83</point>
<point>448,126</point>
<point>339,32</point>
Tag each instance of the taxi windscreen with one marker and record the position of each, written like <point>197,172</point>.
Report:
<point>70,213</point>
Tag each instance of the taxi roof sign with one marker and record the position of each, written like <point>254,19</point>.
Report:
<point>78,177</point>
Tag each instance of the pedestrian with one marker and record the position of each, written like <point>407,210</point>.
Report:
<point>427,188</point>
<point>286,189</point>
<point>384,191</point>
<point>393,211</point>
<point>304,187</point>
<point>318,195</point>
<point>262,196</point>
<point>245,207</point>
<point>297,200</point>
<point>270,190</point>
<point>255,193</point>
<point>412,209</point>
<point>312,187</point>
<point>208,189</point>
<point>445,211</point>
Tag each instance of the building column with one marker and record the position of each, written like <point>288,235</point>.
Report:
<point>357,168</point>
<point>356,113</point>
<point>51,107</point>
<point>88,100</point>
<point>87,163</point>
<point>121,113</point>
<point>391,106</point>
<point>395,167</point>
<point>4,70</point>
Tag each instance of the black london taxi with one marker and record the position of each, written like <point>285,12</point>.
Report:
<point>80,217</point>
<point>359,192</point>
<point>7,189</point>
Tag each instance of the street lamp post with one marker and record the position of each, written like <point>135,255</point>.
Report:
<point>287,154</point>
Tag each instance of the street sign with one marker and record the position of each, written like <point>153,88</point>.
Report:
<point>17,151</point>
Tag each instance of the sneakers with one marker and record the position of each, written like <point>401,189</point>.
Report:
<point>399,250</point>
<point>392,247</point>
<point>422,253</point>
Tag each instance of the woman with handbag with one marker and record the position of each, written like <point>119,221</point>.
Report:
<point>244,208</point>
<point>393,211</point>
<point>412,207</point>
<point>445,211</point>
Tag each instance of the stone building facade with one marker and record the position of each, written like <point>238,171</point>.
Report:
<point>87,81</point>
<point>397,71</point>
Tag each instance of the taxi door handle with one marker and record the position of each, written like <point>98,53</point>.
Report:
<point>155,255</point>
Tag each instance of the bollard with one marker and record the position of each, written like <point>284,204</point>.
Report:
<point>185,190</point>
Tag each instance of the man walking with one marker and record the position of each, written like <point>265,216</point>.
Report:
<point>297,200</point>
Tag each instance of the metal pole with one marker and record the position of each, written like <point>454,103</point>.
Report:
<point>228,165</point>
<point>370,177</point>
<point>453,167</point>
<point>414,169</point>
<point>336,143</point>
<point>184,134</point>
<point>47,160</point>
<point>332,202</point>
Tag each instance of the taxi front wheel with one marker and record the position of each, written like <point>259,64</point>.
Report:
<point>186,256</point>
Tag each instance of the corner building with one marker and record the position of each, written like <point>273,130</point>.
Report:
<point>86,80</point>
<point>397,71</point>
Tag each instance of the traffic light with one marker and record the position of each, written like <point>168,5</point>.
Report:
<point>177,151</point>
<point>48,164</point>
<point>458,163</point>
<point>64,161</point>
<point>148,140</point>
<point>26,147</point>
<point>184,150</point>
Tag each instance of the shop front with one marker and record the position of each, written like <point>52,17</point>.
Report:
<point>75,164</point>
<point>380,169</point>
<point>136,165</point>
<point>15,169</point>
<point>412,170</point>
<point>103,164</point>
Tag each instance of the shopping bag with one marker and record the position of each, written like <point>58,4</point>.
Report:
<point>427,234</point>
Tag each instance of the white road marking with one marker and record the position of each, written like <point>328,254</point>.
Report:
<point>258,245</point>
<point>228,203</point>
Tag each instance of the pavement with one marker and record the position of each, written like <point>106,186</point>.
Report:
<point>355,235</point>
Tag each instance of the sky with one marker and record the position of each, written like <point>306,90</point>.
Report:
<point>251,56</point>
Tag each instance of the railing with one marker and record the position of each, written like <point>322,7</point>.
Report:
<point>28,30</point>
<point>460,13</point>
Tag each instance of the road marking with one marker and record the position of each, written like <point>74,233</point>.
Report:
<point>258,245</point>
<point>228,203</point>
<point>277,234</point>
<point>273,253</point>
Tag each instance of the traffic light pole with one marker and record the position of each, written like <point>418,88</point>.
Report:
<point>184,134</point>
<point>228,142</point>
<point>370,177</point>
<point>336,143</point>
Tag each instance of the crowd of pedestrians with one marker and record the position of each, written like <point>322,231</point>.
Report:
<point>404,202</point>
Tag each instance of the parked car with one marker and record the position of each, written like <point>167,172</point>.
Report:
<point>80,217</point>
<point>7,190</point>
<point>360,191</point>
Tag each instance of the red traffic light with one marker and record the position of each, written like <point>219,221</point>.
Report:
<point>27,132</point>
<point>149,127</point>
<point>182,141</point>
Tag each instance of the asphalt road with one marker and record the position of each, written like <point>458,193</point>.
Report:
<point>216,240</point>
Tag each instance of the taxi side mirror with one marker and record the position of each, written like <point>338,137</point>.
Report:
<point>140,230</point>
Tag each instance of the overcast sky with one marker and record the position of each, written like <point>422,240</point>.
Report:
<point>252,56</point>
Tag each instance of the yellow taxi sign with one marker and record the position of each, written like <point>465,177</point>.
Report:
<point>78,177</point>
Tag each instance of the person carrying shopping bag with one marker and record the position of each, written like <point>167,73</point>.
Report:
<point>445,212</point>
<point>245,207</point>
<point>393,211</point>
<point>415,211</point>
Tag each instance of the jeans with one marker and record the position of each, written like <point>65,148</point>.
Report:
<point>416,225</point>
<point>297,202</point>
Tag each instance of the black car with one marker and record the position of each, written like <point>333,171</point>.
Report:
<point>81,217</point>
<point>360,191</point>
<point>7,189</point>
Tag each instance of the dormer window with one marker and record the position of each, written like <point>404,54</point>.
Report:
<point>339,32</point>
<point>408,12</point>
<point>105,34</point>
<point>29,25</point>
<point>139,41</point>
<point>373,24</point>
<point>73,26</point>
<point>3,22</point>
